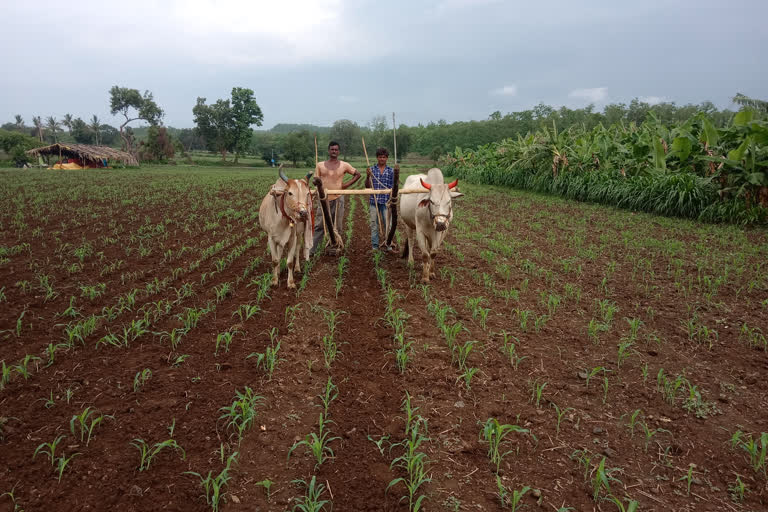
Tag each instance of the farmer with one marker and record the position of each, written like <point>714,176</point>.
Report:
<point>382,176</point>
<point>332,172</point>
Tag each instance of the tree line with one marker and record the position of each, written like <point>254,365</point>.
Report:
<point>225,127</point>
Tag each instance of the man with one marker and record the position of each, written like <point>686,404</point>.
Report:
<point>332,172</point>
<point>381,176</point>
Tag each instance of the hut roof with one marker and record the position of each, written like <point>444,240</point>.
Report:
<point>85,152</point>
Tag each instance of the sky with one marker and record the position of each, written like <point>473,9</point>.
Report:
<point>317,61</point>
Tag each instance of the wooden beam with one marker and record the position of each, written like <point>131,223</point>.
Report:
<point>363,191</point>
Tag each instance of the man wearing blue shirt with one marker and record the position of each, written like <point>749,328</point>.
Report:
<point>381,177</point>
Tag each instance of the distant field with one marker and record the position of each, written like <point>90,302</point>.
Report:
<point>586,352</point>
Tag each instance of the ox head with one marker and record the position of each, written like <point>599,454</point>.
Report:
<point>440,203</point>
<point>295,197</point>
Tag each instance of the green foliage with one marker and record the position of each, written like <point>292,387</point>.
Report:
<point>226,124</point>
<point>690,169</point>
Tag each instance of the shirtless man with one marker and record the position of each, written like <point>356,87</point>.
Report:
<point>332,172</point>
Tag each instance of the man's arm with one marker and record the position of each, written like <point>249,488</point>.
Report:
<point>355,176</point>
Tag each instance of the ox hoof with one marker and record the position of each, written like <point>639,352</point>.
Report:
<point>274,282</point>
<point>291,286</point>
<point>424,280</point>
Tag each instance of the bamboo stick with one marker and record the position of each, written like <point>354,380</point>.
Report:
<point>362,191</point>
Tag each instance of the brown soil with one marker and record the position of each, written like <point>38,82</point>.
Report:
<point>540,237</point>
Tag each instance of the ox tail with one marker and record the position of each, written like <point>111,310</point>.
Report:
<point>405,249</point>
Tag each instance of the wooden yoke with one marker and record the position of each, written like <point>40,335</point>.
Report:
<point>393,200</point>
<point>329,227</point>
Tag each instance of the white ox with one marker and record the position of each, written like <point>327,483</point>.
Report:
<point>285,214</point>
<point>427,216</point>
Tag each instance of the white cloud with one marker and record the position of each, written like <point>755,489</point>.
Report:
<point>593,95</point>
<point>349,99</point>
<point>652,100</point>
<point>507,90</point>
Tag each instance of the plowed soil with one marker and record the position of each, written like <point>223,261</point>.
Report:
<point>541,269</point>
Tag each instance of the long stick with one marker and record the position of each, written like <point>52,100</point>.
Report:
<point>394,135</point>
<point>393,200</point>
<point>369,184</point>
<point>315,150</point>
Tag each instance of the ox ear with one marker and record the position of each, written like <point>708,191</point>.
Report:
<point>277,192</point>
<point>424,203</point>
<point>454,195</point>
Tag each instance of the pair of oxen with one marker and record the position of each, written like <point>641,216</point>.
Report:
<point>286,215</point>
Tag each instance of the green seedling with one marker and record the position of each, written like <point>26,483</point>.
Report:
<point>141,378</point>
<point>633,422</point>
<point>241,414</point>
<point>61,464</point>
<point>48,449</point>
<point>494,433</point>
<point>318,444</point>
<point>601,481</point>
<point>560,414</point>
<point>215,487</point>
<point>537,389</point>
<point>86,422</point>
<point>148,453</point>
<point>311,501</point>
<point>267,485</point>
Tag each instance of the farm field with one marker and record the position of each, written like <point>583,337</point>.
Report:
<point>593,355</point>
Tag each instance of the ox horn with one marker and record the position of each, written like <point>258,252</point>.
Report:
<point>308,176</point>
<point>453,183</point>
<point>425,184</point>
<point>281,172</point>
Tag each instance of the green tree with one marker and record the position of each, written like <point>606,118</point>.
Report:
<point>158,147</point>
<point>19,121</point>
<point>245,113</point>
<point>95,127</point>
<point>81,132</point>
<point>347,133</point>
<point>298,146</point>
<point>15,144</point>
<point>67,122</point>
<point>133,106</point>
<point>755,104</point>
<point>216,125</point>
<point>53,128</point>
<point>108,135</point>
<point>38,122</point>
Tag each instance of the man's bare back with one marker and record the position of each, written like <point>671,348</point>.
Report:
<point>332,172</point>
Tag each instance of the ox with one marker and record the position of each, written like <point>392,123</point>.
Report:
<point>285,215</point>
<point>427,216</point>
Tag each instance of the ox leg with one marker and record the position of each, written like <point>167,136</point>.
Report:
<point>277,252</point>
<point>297,251</point>
<point>411,244</point>
<point>425,256</point>
<point>290,257</point>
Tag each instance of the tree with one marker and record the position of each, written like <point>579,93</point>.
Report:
<point>15,143</point>
<point>108,135</point>
<point>347,134</point>
<point>67,121</point>
<point>38,122</point>
<point>245,113</point>
<point>19,123</point>
<point>298,146</point>
<point>190,139</point>
<point>158,147</point>
<point>53,127</point>
<point>133,106</point>
<point>495,116</point>
<point>80,132</point>
<point>214,122</point>
<point>226,125</point>
<point>755,104</point>
<point>95,127</point>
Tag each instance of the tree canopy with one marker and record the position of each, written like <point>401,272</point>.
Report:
<point>133,106</point>
<point>226,124</point>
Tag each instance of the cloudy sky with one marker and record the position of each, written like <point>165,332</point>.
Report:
<point>316,61</point>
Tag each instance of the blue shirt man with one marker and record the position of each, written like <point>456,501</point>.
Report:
<point>382,177</point>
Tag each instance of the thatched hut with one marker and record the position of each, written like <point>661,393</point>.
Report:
<point>84,155</point>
